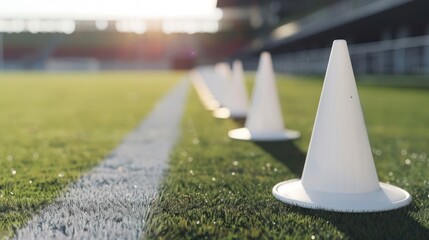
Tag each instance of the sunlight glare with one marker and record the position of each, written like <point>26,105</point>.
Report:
<point>110,9</point>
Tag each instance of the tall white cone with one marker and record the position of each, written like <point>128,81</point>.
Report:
<point>206,96</point>
<point>236,95</point>
<point>224,76</point>
<point>215,82</point>
<point>264,121</point>
<point>339,172</point>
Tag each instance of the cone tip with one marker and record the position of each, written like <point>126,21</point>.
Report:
<point>221,64</point>
<point>339,42</point>
<point>265,59</point>
<point>265,54</point>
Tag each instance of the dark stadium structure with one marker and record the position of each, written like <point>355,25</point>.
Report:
<point>384,36</point>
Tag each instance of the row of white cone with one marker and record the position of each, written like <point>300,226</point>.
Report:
<point>339,172</point>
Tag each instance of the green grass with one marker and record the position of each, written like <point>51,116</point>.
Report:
<point>53,127</point>
<point>408,81</point>
<point>221,188</point>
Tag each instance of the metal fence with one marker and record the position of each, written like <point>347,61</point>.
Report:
<point>397,56</point>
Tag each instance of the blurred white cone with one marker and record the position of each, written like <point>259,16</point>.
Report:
<point>264,121</point>
<point>339,172</point>
<point>239,104</point>
<point>236,95</point>
<point>206,96</point>
<point>215,83</point>
<point>224,75</point>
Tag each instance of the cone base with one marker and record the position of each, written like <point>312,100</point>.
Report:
<point>388,197</point>
<point>211,105</point>
<point>245,134</point>
<point>224,113</point>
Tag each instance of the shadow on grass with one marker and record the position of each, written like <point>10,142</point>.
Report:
<point>287,153</point>
<point>395,224</point>
<point>240,121</point>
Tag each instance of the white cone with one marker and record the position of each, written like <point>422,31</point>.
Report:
<point>239,106</point>
<point>224,75</point>
<point>237,101</point>
<point>206,96</point>
<point>264,121</point>
<point>215,83</point>
<point>339,172</point>
<point>223,78</point>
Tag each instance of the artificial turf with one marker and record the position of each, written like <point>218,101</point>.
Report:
<point>221,188</point>
<point>53,127</point>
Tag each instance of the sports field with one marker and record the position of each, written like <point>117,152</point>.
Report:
<point>54,127</point>
<point>221,188</point>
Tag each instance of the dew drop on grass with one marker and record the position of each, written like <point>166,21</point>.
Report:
<point>61,174</point>
<point>275,169</point>
<point>407,161</point>
<point>403,152</point>
<point>267,165</point>
<point>13,171</point>
<point>191,172</point>
<point>198,222</point>
<point>378,152</point>
<point>213,179</point>
<point>30,182</point>
<point>313,237</point>
<point>235,163</point>
<point>233,173</point>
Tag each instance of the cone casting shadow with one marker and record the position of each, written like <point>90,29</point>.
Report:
<point>264,120</point>
<point>236,101</point>
<point>339,172</point>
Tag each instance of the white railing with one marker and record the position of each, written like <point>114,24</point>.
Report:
<point>398,56</point>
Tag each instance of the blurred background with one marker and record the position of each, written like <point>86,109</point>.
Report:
<point>384,36</point>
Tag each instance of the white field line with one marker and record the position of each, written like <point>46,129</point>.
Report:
<point>113,200</point>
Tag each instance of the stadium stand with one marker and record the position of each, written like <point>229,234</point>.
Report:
<point>384,36</point>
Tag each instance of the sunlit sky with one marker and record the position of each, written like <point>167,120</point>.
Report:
<point>110,9</point>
